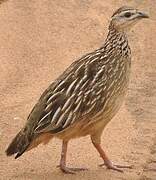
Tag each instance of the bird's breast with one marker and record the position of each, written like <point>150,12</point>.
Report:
<point>115,91</point>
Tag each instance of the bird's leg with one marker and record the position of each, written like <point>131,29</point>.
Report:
<point>107,162</point>
<point>62,165</point>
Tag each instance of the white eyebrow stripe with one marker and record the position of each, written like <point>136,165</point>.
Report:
<point>132,11</point>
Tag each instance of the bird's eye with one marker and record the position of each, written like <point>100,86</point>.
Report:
<point>127,14</point>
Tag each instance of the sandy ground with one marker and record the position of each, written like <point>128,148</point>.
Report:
<point>38,40</point>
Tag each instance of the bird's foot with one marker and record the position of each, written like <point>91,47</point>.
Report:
<point>115,167</point>
<point>68,170</point>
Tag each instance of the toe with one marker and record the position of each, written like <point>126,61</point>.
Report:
<point>67,170</point>
<point>79,169</point>
<point>71,170</point>
<point>124,166</point>
<point>115,167</point>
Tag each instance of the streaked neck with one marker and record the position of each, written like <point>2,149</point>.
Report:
<point>117,41</point>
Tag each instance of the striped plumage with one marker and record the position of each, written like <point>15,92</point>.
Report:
<point>84,98</point>
<point>87,86</point>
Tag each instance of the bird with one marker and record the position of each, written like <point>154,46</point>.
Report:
<point>85,97</point>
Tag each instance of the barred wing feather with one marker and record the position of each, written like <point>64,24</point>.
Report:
<point>76,94</point>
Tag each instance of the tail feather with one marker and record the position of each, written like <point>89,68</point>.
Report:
<point>18,145</point>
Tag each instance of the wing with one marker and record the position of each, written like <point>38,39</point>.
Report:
<point>76,94</point>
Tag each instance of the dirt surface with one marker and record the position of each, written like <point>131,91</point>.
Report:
<point>38,40</point>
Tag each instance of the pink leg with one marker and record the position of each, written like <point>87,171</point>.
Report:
<point>107,162</point>
<point>62,165</point>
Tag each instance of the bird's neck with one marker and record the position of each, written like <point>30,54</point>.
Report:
<point>117,42</point>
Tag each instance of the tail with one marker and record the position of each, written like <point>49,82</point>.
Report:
<point>19,144</point>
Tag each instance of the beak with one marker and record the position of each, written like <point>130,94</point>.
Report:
<point>142,15</point>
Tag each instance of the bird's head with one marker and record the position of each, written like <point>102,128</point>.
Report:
<point>125,17</point>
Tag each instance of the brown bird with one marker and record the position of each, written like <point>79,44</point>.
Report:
<point>85,97</point>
